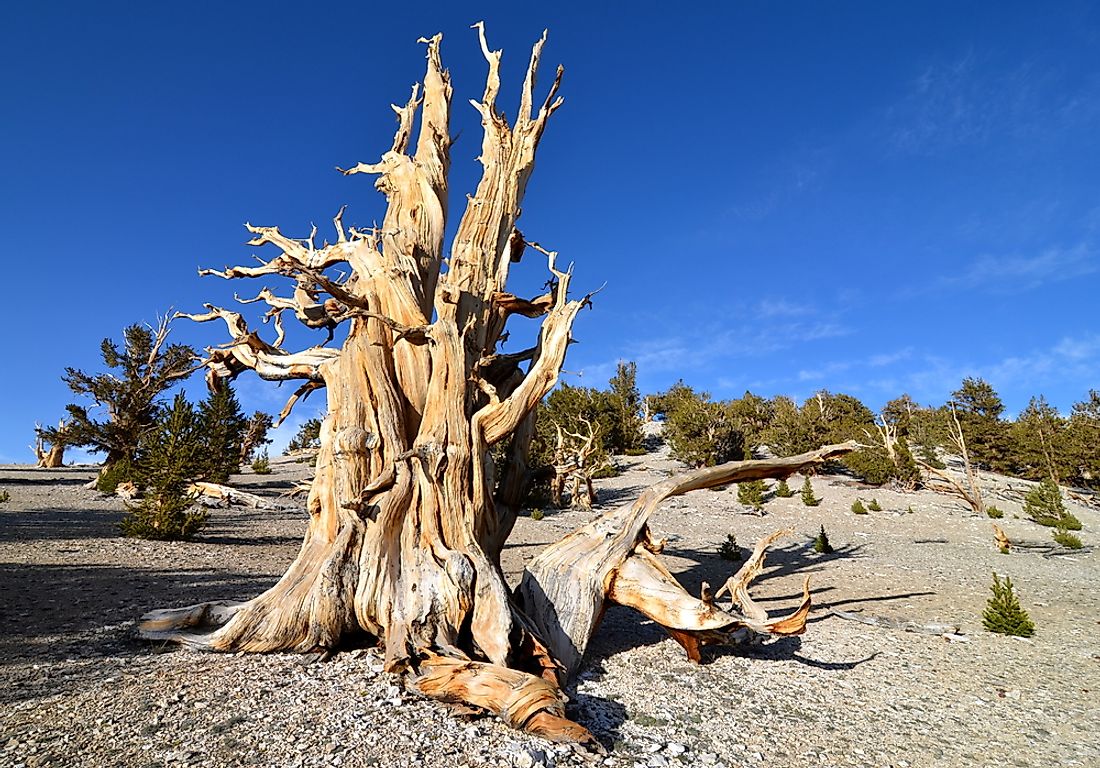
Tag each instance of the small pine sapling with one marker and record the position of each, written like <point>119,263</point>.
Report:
<point>821,543</point>
<point>751,494</point>
<point>537,514</point>
<point>782,490</point>
<point>729,549</point>
<point>858,508</point>
<point>1067,539</point>
<point>994,513</point>
<point>167,459</point>
<point>808,497</point>
<point>261,465</point>
<point>1003,613</point>
<point>1044,505</point>
<point>874,506</point>
<point>4,496</point>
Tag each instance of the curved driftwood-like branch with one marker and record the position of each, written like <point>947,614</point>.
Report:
<point>564,589</point>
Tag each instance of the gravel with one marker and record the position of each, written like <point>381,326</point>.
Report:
<point>78,689</point>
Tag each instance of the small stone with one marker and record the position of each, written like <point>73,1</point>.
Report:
<point>675,749</point>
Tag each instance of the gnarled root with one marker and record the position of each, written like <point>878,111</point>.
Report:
<point>522,700</point>
<point>309,608</point>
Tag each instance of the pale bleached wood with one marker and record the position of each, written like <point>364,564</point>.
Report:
<point>565,587</point>
<point>405,532</point>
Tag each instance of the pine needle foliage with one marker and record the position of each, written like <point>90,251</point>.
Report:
<point>994,512</point>
<point>1003,613</point>
<point>874,506</point>
<point>307,438</point>
<point>168,458</point>
<point>858,508</point>
<point>223,429</point>
<point>1044,505</point>
<point>782,490</point>
<point>730,550</point>
<point>821,543</point>
<point>127,393</point>
<point>261,465</point>
<point>1067,539</point>
<point>807,494</point>
<point>751,494</point>
<point>255,437</point>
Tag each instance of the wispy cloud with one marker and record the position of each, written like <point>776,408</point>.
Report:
<point>973,98</point>
<point>782,326</point>
<point>1010,274</point>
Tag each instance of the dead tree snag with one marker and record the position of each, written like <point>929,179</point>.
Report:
<point>407,519</point>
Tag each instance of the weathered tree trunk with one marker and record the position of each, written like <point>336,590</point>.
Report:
<point>573,467</point>
<point>52,457</point>
<point>971,493</point>
<point>405,532</point>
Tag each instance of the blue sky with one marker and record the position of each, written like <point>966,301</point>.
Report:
<point>873,198</point>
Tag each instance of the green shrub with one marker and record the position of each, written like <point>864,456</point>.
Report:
<point>261,465</point>
<point>782,490</point>
<point>167,460</point>
<point>821,543</point>
<point>4,496</point>
<point>874,506</point>
<point>729,549</point>
<point>858,508</point>
<point>751,494</point>
<point>1003,613</point>
<point>1044,505</point>
<point>808,497</point>
<point>1067,539</point>
<point>537,514</point>
<point>995,513</point>
<point>113,474</point>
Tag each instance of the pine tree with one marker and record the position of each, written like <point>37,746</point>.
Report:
<point>1044,505</point>
<point>1003,613</point>
<point>626,437</point>
<point>979,409</point>
<point>128,393</point>
<point>700,432</point>
<point>308,437</point>
<point>168,458</point>
<point>223,429</point>
<point>874,506</point>
<point>255,437</point>
<point>821,543</point>
<point>782,490</point>
<point>858,508</point>
<point>751,494</point>
<point>808,497</point>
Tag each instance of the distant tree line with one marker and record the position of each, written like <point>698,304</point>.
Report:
<point>1038,444</point>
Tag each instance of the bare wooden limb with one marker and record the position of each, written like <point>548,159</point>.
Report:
<point>229,495</point>
<point>564,588</point>
<point>900,624</point>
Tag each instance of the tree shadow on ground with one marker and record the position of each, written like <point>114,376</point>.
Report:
<point>38,524</point>
<point>53,612</point>
<point>44,479</point>
<point>790,559</point>
<point>606,498</point>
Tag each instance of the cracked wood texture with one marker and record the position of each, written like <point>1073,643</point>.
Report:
<point>406,518</point>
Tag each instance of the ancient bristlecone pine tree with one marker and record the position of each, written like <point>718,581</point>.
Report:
<point>407,520</point>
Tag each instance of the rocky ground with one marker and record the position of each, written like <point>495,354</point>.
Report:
<point>78,689</point>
